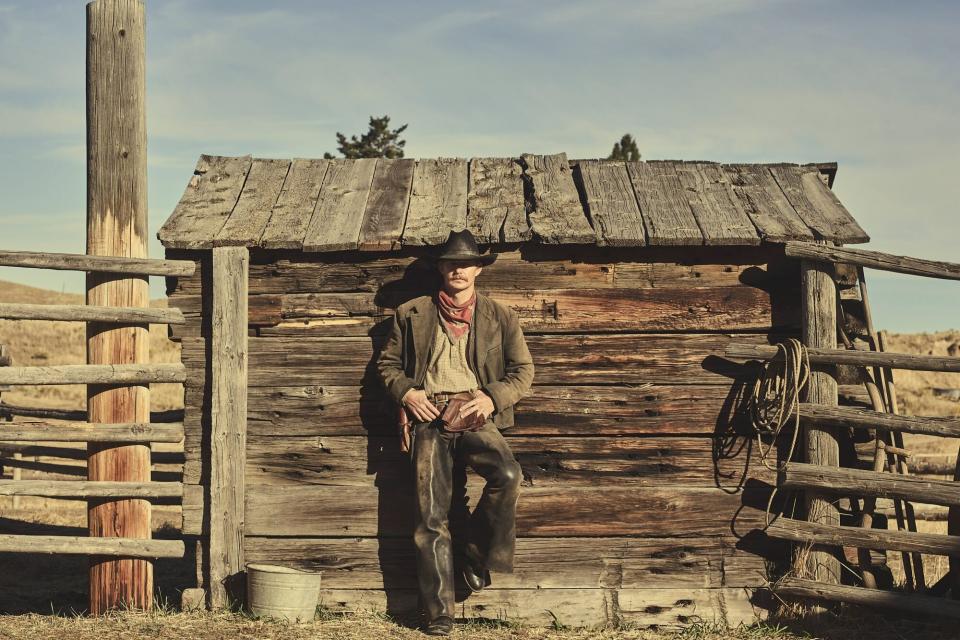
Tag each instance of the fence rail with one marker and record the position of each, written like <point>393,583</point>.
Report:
<point>95,374</point>
<point>90,489</point>
<point>84,313</point>
<point>136,432</point>
<point>98,264</point>
<point>76,545</point>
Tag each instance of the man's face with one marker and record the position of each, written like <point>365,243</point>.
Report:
<point>459,274</point>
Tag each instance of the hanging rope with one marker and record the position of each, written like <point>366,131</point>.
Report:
<point>775,396</point>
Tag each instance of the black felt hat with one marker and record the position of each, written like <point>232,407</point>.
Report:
<point>461,245</point>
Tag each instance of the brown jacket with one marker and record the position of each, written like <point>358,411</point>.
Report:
<point>496,352</point>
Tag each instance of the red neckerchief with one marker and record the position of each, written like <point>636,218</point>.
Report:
<point>456,318</point>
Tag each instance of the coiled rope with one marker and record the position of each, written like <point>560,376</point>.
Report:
<point>774,398</point>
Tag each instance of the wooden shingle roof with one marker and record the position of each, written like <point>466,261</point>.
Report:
<point>381,204</point>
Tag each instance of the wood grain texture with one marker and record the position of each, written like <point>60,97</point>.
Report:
<point>438,201</point>
<point>611,203</point>
<point>858,482</point>
<point>96,374</point>
<point>557,216</point>
<point>663,204</point>
<point>909,361</point>
<point>336,221</point>
<point>386,209</point>
<point>874,260</point>
<point>931,608</point>
<point>252,212</point>
<point>102,264</point>
<point>295,205</point>
<point>718,212</point>
<point>32,431</point>
<point>117,225</point>
<point>816,205</point>
<point>91,489</point>
<point>75,545</point>
<point>89,313</point>
<point>587,563</point>
<point>879,539</point>
<point>551,410</point>
<point>228,419</point>
<point>320,510</point>
<point>359,461</point>
<point>559,359</point>
<point>206,203</point>
<point>764,202</point>
<point>819,442</point>
<point>496,207</point>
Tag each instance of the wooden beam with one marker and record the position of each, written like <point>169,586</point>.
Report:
<point>100,264</point>
<point>91,489</point>
<point>913,362</point>
<point>880,539</point>
<point>843,417</point>
<point>935,608</point>
<point>819,444</point>
<point>85,313</point>
<point>76,545</point>
<point>858,482</point>
<point>228,418</point>
<point>106,374</point>
<point>874,260</point>
<point>117,226</point>
<point>86,432</point>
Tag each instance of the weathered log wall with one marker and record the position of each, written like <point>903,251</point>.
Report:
<point>633,470</point>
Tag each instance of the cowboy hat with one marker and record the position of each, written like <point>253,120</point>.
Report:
<point>461,245</point>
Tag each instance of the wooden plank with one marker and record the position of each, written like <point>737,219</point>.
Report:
<point>228,411</point>
<point>335,225</point>
<point>764,202</point>
<point>535,267</point>
<point>816,205</point>
<point>557,216</point>
<point>663,204</point>
<point>560,359</point>
<point>496,207</point>
<point>87,432</point>
<point>353,461</point>
<point>879,539</point>
<point>819,442</point>
<point>932,608</point>
<point>851,417</point>
<point>250,215</point>
<point>860,482</point>
<point>295,205</point>
<point>887,359</point>
<point>90,489</point>
<point>206,203</point>
<point>638,410</point>
<point>874,260</point>
<point>321,510</point>
<point>110,374</point>
<point>386,208</point>
<point>611,203</point>
<point>717,210</point>
<point>609,563</point>
<point>438,201</point>
<point>102,264</point>
<point>655,608</point>
<point>90,313</point>
<point>75,545</point>
<point>573,310</point>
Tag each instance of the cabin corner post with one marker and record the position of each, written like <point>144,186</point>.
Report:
<point>117,226</point>
<point>228,423</point>
<point>820,443</point>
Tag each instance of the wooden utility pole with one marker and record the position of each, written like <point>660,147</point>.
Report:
<point>820,442</point>
<point>117,226</point>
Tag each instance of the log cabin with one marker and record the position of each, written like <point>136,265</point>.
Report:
<point>643,500</point>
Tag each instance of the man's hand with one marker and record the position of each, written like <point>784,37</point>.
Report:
<point>416,401</point>
<point>481,403</point>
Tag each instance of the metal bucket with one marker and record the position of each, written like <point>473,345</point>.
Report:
<point>282,592</point>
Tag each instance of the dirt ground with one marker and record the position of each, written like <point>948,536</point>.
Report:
<point>34,586</point>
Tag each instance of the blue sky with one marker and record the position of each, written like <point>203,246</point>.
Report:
<point>871,85</point>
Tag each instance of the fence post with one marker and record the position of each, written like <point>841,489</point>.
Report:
<point>117,226</point>
<point>820,443</point>
<point>228,425</point>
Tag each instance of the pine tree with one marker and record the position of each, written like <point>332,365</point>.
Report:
<point>626,150</point>
<point>378,142</point>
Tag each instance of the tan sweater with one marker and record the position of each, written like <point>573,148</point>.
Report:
<point>447,370</point>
